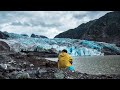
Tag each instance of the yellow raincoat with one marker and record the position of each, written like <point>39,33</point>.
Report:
<point>64,60</point>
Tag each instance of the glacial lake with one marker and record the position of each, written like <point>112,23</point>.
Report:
<point>96,64</point>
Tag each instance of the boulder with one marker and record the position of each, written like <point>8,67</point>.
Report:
<point>22,75</point>
<point>3,35</point>
<point>4,46</point>
<point>59,74</point>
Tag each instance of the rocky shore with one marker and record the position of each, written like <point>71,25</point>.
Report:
<point>29,66</point>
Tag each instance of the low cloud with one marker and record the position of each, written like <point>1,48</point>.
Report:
<point>47,23</point>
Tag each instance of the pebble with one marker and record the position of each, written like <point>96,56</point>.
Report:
<point>31,65</point>
<point>3,66</point>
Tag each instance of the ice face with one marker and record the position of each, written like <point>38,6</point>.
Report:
<point>91,44</point>
<point>82,51</point>
<point>75,47</point>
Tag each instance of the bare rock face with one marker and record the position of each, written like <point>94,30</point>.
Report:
<point>3,35</point>
<point>4,46</point>
<point>38,36</point>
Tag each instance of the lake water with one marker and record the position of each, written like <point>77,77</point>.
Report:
<point>96,64</point>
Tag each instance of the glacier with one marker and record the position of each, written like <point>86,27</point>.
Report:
<point>75,47</point>
<point>41,44</point>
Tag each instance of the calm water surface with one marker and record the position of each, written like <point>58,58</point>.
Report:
<point>96,64</point>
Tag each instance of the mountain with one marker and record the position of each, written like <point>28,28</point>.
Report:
<point>14,35</point>
<point>38,36</point>
<point>4,46</point>
<point>104,29</point>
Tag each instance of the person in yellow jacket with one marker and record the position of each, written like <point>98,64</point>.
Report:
<point>65,60</point>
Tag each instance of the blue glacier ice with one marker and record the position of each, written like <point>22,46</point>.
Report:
<point>91,44</point>
<point>75,47</point>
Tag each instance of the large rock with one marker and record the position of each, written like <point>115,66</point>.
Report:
<point>59,74</point>
<point>23,75</point>
<point>41,72</point>
<point>3,66</point>
<point>4,46</point>
<point>7,67</point>
<point>3,35</point>
<point>19,75</point>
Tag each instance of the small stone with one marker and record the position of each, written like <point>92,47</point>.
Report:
<point>42,71</point>
<point>23,70</point>
<point>31,65</point>
<point>12,61</point>
<point>38,68</point>
<point>24,63</point>
<point>9,67</point>
<point>23,75</point>
<point>70,78</point>
<point>59,75</point>
<point>3,66</point>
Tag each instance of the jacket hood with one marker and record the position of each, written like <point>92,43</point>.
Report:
<point>62,54</point>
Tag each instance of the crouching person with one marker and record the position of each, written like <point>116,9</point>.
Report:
<point>65,61</point>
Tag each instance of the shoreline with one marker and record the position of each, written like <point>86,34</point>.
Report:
<point>24,66</point>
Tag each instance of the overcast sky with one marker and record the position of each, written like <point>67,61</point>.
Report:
<point>47,23</point>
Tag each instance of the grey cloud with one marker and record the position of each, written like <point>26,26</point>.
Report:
<point>50,25</point>
<point>90,14</point>
<point>4,17</point>
<point>20,24</point>
<point>44,21</point>
<point>79,16</point>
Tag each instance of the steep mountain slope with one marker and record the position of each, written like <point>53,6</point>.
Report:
<point>3,35</point>
<point>104,29</point>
